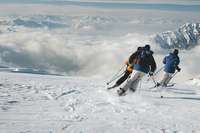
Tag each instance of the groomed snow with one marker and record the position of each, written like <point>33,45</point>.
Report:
<point>53,104</point>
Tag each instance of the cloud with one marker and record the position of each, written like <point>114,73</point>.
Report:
<point>55,50</point>
<point>36,49</point>
<point>87,45</point>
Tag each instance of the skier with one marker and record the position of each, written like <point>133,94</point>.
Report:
<point>171,62</point>
<point>144,64</point>
<point>130,63</point>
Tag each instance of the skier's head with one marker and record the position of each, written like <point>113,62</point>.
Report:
<point>147,47</point>
<point>139,48</point>
<point>175,51</point>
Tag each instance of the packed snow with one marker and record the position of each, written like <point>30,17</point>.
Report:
<point>50,104</point>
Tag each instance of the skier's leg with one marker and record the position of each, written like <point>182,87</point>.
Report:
<point>128,84</point>
<point>122,90</point>
<point>165,78</point>
<point>135,83</point>
<point>121,80</point>
<point>168,79</point>
<point>133,77</point>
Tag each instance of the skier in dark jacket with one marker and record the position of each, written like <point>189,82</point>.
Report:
<point>144,64</point>
<point>130,63</point>
<point>171,62</point>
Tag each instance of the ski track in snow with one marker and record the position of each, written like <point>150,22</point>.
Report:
<point>51,104</point>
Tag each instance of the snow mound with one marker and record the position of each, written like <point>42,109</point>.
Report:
<point>195,82</point>
<point>187,36</point>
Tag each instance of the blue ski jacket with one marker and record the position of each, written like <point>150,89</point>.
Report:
<point>171,63</point>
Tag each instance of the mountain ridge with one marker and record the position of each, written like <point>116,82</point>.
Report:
<point>185,37</point>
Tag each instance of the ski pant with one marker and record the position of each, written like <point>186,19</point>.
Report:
<point>133,81</point>
<point>123,78</point>
<point>167,77</point>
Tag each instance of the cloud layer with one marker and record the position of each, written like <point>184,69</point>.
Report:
<point>85,45</point>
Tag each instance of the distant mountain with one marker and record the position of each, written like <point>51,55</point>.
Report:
<point>187,36</point>
<point>10,24</point>
<point>4,66</point>
<point>27,70</point>
<point>31,23</point>
<point>33,71</point>
<point>30,70</point>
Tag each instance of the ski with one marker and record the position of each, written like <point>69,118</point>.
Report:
<point>170,85</point>
<point>109,88</point>
<point>155,86</point>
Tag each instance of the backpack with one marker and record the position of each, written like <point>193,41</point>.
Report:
<point>143,57</point>
<point>133,58</point>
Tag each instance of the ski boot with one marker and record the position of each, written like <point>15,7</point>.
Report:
<point>121,92</point>
<point>133,89</point>
<point>157,84</point>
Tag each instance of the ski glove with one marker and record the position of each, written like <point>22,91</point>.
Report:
<point>178,69</point>
<point>130,68</point>
<point>150,73</point>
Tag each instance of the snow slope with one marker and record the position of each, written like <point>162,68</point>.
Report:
<point>54,104</point>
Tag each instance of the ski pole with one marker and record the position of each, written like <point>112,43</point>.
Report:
<point>157,72</point>
<point>114,78</point>
<point>153,80</point>
<point>116,75</point>
<point>161,96</point>
<point>174,75</point>
<point>119,70</point>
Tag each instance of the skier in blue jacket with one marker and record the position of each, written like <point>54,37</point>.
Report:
<point>171,62</point>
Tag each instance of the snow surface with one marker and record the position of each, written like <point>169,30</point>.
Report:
<point>56,104</point>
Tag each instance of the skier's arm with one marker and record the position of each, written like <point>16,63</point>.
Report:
<point>153,65</point>
<point>177,63</point>
<point>164,60</point>
<point>131,58</point>
<point>178,68</point>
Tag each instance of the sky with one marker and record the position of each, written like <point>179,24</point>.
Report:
<point>176,5</point>
<point>183,2</point>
